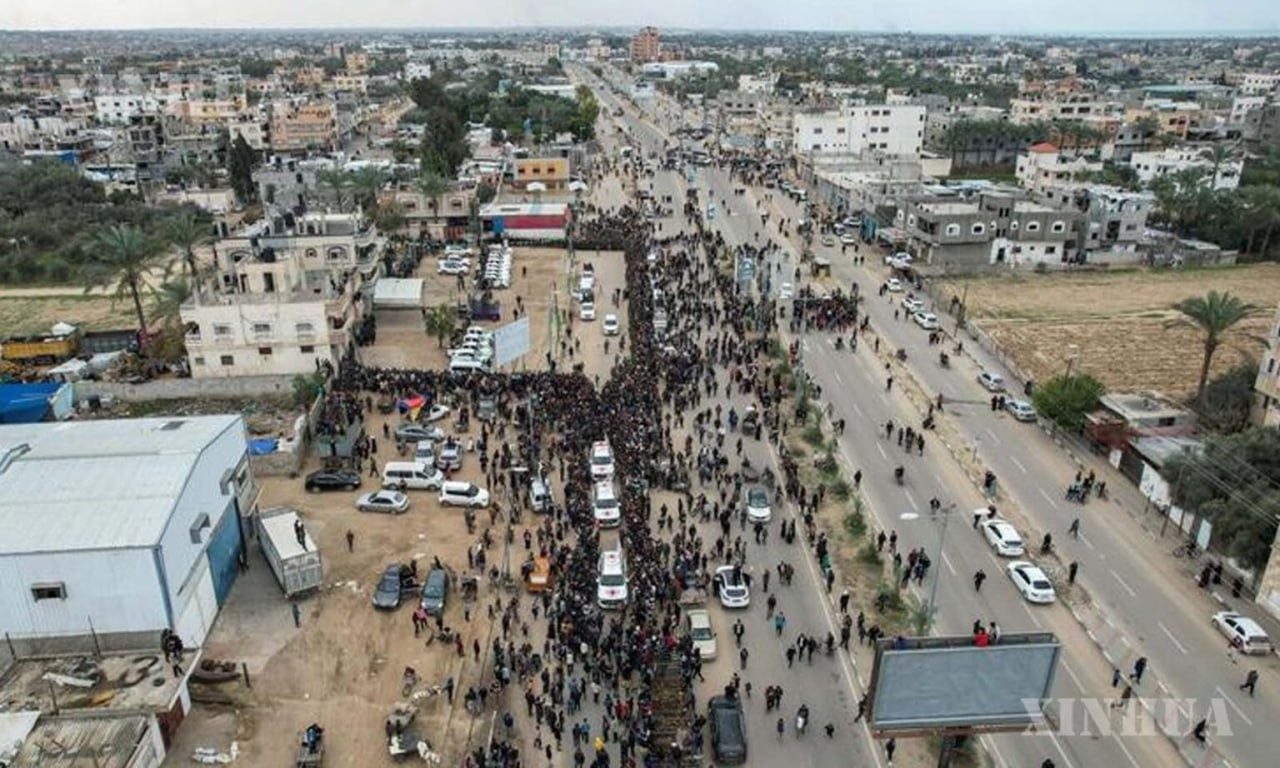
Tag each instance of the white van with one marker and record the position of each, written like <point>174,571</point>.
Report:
<point>411,475</point>
<point>539,496</point>
<point>611,579</point>
<point>605,507</point>
<point>464,364</point>
<point>455,493</point>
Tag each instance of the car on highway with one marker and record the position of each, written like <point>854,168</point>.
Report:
<point>610,325</point>
<point>703,636</point>
<point>416,433</point>
<point>601,460</point>
<point>435,592</point>
<point>758,509</point>
<point>893,284</point>
<point>391,502</point>
<point>992,382</point>
<point>1244,634</point>
<point>912,303</point>
<point>731,588</point>
<point>395,585</point>
<point>728,730</point>
<point>926,320</point>
<point>1020,410</point>
<point>1003,538</point>
<point>1031,582</point>
<point>332,480</point>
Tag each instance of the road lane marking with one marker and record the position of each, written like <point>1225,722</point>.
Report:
<point>1127,588</point>
<point>857,409</point>
<point>1086,541</point>
<point>1234,706</point>
<point>1048,498</point>
<point>883,455</point>
<point>839,380</point>
<point>1079,685</point>
<point>1125,750</point>
<point>1172,639</point>
<point>911,500</point>
<point>947,560</point>
<point>1032,616</point>
<point>993,436</point>
<point>1018,464</point>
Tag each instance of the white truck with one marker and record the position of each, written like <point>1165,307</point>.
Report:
<point>294,560</point>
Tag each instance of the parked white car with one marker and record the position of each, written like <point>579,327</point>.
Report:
<point>1020,410</point>
<point>926,320</point>
<point>610,325</point>
<point>758,508</point>
<point>733,592</point>
<point>992,382</point>
<point>912,303</point>
<point>701,633</point>
<point>893,284</point>
<point>587,311</point>
<point>393,502</point>
<point>1031,582</point>
<point>1245,634</point>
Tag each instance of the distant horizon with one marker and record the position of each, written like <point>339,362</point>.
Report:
<point>1145,19</point>
<point>674,31</point>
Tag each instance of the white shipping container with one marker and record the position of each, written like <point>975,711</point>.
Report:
<point>298,568</point>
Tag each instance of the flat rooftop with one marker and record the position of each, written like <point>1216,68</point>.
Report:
<point>950,209</point>
<point>123,683</point>
<point>70,741</point>
<point>111,483</point>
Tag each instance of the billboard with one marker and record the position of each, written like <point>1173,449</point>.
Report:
<point>933,684</point>
<point>511,342</point>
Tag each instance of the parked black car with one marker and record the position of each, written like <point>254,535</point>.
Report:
<point>728,730</point>
<point>435,592</point>
<point>333,480</point>
<point>396,584</point>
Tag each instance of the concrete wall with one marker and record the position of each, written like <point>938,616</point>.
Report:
<point>179,389</point>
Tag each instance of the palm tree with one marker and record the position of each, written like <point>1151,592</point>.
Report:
<point>1216,314</point>
<point>169,298</point>
<point>124,255</point>
<point>1219,154</point>
<point>440,321</point>
<point>339,185</point>
<point>186,233</point>
<point>366,183</point>
<point>431,186</point>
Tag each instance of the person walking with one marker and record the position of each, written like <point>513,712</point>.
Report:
<point>1139,667</point>
<point>1074,529</point>
<point>1123,701</point>
<point>890,747</point>
<point>742,657</point>
<point>978,578</point>
<point>1250,682</point>
<point>1072,570</point>
<point>351,540</point>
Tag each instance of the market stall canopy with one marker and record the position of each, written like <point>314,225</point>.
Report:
<point>397,293</point>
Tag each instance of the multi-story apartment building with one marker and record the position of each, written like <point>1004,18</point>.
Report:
<point>876,128</point>
<point>1044,165</point>
<point>1150,166</point>
<point>349,83</point>
<point>120,108</point>
<point>1267,385</point>
<point>1062,106</point>
<point>1114,221</point>
<point>1256,83</point>
<point>551,172</point>
<point>302,127</point>
<point>414,70</point>
<point>646,45</point>
<point>253,127</point>
<point>991,228</point>
<point>288,293</point>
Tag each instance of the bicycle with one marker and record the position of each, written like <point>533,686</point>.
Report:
<point>1187,549</point>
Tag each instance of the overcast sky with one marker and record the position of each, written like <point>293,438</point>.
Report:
<point>924,16</point>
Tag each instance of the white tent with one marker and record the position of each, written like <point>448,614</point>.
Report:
<point>397,293</point>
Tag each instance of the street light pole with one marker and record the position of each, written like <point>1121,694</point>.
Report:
<point>937,573</point>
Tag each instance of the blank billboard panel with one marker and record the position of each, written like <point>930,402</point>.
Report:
<point>937,683</point>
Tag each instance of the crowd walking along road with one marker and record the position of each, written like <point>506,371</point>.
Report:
<point>921,484</point>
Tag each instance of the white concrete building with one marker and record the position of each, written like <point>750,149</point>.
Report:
<point>1267,385</point>
<point>414,70</point>
<point>290,293</point>
<point>893,130</point>
<point>757,83</point>
<point>1152,165</point>
<point>1259,83</point>
<point>1043,165</point>
<point>120,108</point>
<point>120,528</point>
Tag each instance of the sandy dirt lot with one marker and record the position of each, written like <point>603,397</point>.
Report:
<point>1117,319</point>
<point>31,314</point>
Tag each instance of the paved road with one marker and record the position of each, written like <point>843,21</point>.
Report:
<point>826,684</point>
<point>1035,471</point>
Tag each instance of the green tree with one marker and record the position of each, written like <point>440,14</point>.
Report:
<point>1234,483</point>
<point>440,322</point>
<point>365,184</point>
<point>123,258</point>
<point>240,162</point>
<point>338,184</point>
<point>1066,400</point>
<point>186,232</point>
<point>1216,315</point>
<point>586,110</point>
<point>169,298</point>
<point>431,186</point>
<point>389,218</point>
<point>1219,154</point>
<point>485,193</point>
<point>1228,399</point>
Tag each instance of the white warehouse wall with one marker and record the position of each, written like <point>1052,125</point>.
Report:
<point>118,590</point>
